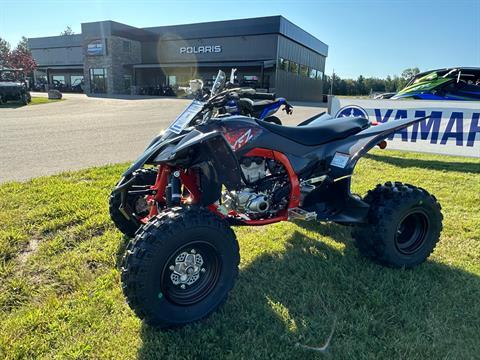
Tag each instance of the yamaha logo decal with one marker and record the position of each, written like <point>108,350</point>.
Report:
<point>352,111</point>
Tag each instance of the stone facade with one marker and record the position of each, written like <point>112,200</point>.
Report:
<point>118,57</point>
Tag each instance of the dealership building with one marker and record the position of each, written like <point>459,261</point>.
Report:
<point>270,53</point>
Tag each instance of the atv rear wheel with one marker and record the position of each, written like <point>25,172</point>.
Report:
<point>137,207</point>
<point>404,225</point>
<point>180,267</point>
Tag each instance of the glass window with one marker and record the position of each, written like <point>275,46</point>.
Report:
<point>293,67</point>
<point>59,79</point>
<point>283,64</point>
<point>304,70</point>
<point>312,74</point>
<point>319,75</point>
<point>98,72</point>
<point>76,80</point>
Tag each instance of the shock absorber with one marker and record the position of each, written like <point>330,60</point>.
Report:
<point>173,190</point>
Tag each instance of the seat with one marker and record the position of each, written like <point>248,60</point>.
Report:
<point>330,130</point>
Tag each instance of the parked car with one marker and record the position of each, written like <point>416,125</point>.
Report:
<point>460,83</point>
<point>13,86</point>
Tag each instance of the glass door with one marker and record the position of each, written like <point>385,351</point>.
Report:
<point>98,81</point>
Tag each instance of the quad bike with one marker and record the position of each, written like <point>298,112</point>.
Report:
<point>210,173</point>
<point>129,208</point>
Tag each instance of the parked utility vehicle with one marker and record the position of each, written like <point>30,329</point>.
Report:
<point>13,86</point>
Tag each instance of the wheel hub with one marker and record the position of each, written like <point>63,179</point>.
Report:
<point>187,268</point>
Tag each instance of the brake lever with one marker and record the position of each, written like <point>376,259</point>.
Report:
<point>288,109</point>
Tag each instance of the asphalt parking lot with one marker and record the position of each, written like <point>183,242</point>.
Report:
<point>82,132</point>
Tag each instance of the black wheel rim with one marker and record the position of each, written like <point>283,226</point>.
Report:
<point>412,231</point>
<point>206,282</point>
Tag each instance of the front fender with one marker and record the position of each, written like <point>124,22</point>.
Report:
<point>199,147</point>
<point>150,152</point>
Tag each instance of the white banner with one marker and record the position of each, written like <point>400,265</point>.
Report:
<point>453,127</point>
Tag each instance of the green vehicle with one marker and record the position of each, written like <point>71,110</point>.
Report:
<point>443,84</point>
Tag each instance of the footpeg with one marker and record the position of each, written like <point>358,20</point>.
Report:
<point>300,214</point>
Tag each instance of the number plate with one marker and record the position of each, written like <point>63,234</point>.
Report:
<point>340,160</point>
<point>186,116</point>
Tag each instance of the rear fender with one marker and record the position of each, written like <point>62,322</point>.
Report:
<point>343,155</point>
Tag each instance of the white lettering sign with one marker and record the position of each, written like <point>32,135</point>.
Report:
<point>201,49</point>
<point>453,127</point>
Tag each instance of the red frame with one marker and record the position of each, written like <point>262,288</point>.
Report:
<point>189,180</point>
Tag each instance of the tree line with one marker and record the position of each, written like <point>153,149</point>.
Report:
<point>367,85</point>
<point>19,57</point>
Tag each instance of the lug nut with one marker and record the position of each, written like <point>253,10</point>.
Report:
<point>172,267</point>
<point>182,286</point>
<point>203,270</point>
<point>193,251</point>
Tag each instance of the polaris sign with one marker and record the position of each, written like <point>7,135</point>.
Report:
<point>453,127</point>
<point>201,49</point>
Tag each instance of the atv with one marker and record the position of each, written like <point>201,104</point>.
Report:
<point>13,86</point>
<point>207,173</point>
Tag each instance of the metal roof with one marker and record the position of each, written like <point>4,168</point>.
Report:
<point>240,27</point>
<point>55,41</point>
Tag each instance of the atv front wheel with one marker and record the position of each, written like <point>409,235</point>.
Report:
<point>136,205</point>
<point>404,225</point>
<point>24,99</point>
<point>180,267</point>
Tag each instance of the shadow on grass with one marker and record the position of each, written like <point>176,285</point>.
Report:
<point>12,105</point>
<point>292,296</point>
<point>465,167</point>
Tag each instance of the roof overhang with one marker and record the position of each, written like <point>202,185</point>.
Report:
<point>203,64</point>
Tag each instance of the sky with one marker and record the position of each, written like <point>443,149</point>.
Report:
<point>371,37</point>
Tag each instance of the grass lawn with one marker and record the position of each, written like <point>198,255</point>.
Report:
<point>60,294</point>
<point>35,101</point>
<point>43,100</point>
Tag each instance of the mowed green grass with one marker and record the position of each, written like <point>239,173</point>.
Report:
<point>60,291</point>
<point>35,101</point>
<point>43,100</point>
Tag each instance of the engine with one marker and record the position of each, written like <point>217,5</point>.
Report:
<point>266,190</point>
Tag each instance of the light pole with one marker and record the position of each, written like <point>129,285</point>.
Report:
<point>331,82</point>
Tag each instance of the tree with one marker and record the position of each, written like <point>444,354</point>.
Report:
<point>407,74</point>
<point>68,31</point>
<point>21,57</point>
<point>4,52</point>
